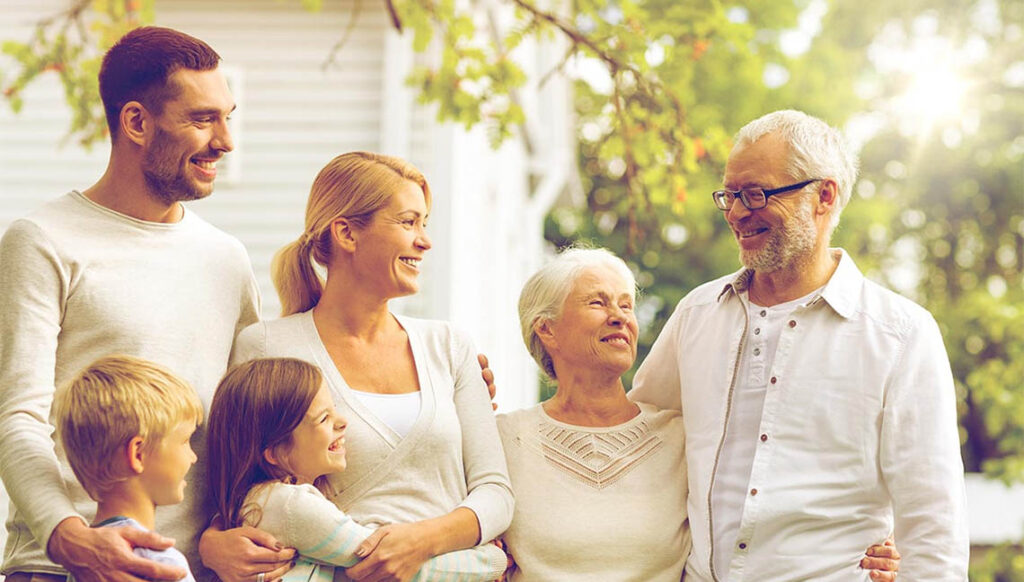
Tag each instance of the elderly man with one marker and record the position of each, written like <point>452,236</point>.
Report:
<point>122,267</point>
<point>819,407</point>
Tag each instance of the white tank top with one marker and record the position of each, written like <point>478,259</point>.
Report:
<point>398,411</point>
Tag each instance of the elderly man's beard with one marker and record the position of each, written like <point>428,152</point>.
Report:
<point>787,245</point>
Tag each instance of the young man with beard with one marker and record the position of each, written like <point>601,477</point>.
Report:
<point>819,407</point>
<point>121,267</point>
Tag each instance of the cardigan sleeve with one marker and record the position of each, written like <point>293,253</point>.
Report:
<point>319,531</point>
<point>490,491</point>
<point>33,290</point>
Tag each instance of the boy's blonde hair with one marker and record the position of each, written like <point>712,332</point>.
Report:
<point>112,401</point>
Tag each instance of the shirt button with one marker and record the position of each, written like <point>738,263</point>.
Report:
<point>764,438</point>
<point>753,491</point>
<point>792,323</point>
<point>763,313</point>
<point>757,330</point>
<point>774,380</point>
<point>757,351</point>
<point>743,546</point>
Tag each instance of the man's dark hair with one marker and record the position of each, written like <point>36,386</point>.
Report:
<point>136,68</point>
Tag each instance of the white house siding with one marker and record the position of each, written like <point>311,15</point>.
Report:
<point>293,117</point>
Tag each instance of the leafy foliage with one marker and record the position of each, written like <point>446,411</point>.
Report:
<point>71,44</point>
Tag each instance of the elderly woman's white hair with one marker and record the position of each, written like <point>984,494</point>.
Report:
<point>545,292</point>
<point>816,150</point>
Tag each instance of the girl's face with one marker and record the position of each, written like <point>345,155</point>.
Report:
<point>317,445</point>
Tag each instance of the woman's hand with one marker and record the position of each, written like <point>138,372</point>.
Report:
<point>393,553</point>
<point>243,553</point>
<point>883,561</point>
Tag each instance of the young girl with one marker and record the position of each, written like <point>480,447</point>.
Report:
<point>274,436</point>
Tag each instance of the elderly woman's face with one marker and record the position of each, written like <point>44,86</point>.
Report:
<point>597,327</point>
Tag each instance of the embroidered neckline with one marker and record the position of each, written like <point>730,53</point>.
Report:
<point>597,458</point>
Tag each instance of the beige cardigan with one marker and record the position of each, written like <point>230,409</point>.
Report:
<point>451,458</point>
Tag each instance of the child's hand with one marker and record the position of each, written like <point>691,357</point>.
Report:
<point>243,553</point>
<point>102,554</point>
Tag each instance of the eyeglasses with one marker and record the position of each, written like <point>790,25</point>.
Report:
<point>753,198</point>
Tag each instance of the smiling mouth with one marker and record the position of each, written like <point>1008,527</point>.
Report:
<point>751,232</point>
<point>616,340</point>
<point>206,166</point>
<point>414,263</point>
<point>337,446</point>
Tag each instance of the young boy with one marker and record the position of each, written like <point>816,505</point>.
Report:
<point>125,425</point>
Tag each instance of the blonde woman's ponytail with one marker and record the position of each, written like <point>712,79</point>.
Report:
<point>298,285</point>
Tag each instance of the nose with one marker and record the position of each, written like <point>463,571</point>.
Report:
<point>737,211</point>
<point>616,316</point>
<point>222,137</point>
<point>423,240</point>
<point>340,424</point>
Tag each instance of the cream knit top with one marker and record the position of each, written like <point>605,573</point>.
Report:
<point>597,503</point>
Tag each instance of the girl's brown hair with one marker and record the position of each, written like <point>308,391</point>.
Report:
<point>256,407</point>
<point>353,185</point>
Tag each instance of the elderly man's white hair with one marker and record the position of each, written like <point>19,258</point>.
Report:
<point>816,150</point>
<point>545,292</point>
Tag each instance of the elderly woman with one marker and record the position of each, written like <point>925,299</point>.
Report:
<point>600,481</point>
<point>425,460</point>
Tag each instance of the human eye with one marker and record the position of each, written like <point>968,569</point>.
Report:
<point>755,195</point>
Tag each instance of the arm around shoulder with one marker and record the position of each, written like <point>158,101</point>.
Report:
<point>657,381</point>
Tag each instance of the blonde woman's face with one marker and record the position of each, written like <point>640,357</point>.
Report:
<point>390,248</point>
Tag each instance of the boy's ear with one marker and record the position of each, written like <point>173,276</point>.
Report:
<point>135,454</point>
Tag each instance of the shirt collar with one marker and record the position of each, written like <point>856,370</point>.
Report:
<point>840,292</point>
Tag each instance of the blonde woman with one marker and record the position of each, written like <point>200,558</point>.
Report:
<point>425,459</point>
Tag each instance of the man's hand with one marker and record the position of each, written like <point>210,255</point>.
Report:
<point>883,561</point>
<point>242,553</point>
<point>105,553</point>
<point>392,553</point>
<point>488,376</point>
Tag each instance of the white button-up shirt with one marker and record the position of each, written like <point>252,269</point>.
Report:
<point>857,438</point>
